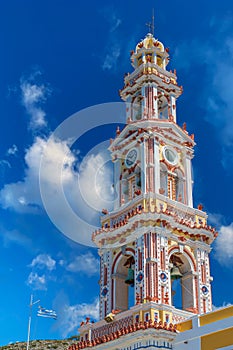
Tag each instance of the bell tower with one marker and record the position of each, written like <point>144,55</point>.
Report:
<point>154,233</point>
<point>154,246</point>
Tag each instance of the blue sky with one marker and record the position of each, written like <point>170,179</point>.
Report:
<point>57,58</point>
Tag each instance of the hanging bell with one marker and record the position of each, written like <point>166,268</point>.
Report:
<point>130,277</point>
<point>175,273</point>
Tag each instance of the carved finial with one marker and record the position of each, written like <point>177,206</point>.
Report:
<point>184,126</point>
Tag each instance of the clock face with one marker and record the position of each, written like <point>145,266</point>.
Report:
<point>131,157</point>
<point>170,155</point>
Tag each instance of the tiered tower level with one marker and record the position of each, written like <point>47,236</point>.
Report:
<point>154,235</point>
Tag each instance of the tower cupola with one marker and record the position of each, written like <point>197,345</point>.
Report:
<point>150,50</point>
<point>150,91</point>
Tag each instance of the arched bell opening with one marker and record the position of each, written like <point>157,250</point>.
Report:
<point>124,291</point>
<point>182,282</point>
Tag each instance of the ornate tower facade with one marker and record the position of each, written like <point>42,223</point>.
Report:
<point>154,246</point>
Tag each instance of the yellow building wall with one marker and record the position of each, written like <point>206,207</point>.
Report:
<point>216,316</point>
<point>217,340</point>
<point>185,326</point>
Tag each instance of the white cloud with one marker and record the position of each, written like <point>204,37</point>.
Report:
<point>111,17</point>
<point>33,96</point>
<point>87,191</point>
<point>43,261</point>
<point>113,47</point>
<point>24,196</point>
<point>12,150</point>
<point>224,245</point>
<point>216,219</point>
<point>5,164</point>
<point>73,200</point>
<point>74,314</point>
<point>61,262</point>
<point>85,263</point>
<point>39,281</point>
<point>111,57</point>
<point>70,316</point>
<point>36,281</point>
<point>116,22</point>
<point>95,182</point>
<point>14,237</point>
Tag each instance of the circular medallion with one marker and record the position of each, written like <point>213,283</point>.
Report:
<point>140,277</point>
<point>131,157</point>
<point>163,276</point>
<point>204,290</point>
<point>170,155</point>
<point>104,291</point>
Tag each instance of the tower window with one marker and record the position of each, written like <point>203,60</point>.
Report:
<point>160,61</point>
<point>137,108</point>
<point>140,60</point>
<point>132,187</point>
<point>105,275</point>
<point>162,108</point>
<point>179,186</point>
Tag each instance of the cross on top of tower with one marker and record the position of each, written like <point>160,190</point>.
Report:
<point>151,25</point>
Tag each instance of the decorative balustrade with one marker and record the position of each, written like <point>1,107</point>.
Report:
<point>180,316</point>
<point>111,327</point>
<point>157,326</point>
<point>164,207</point>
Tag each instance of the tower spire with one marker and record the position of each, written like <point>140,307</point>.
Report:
<point>151,25</point>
